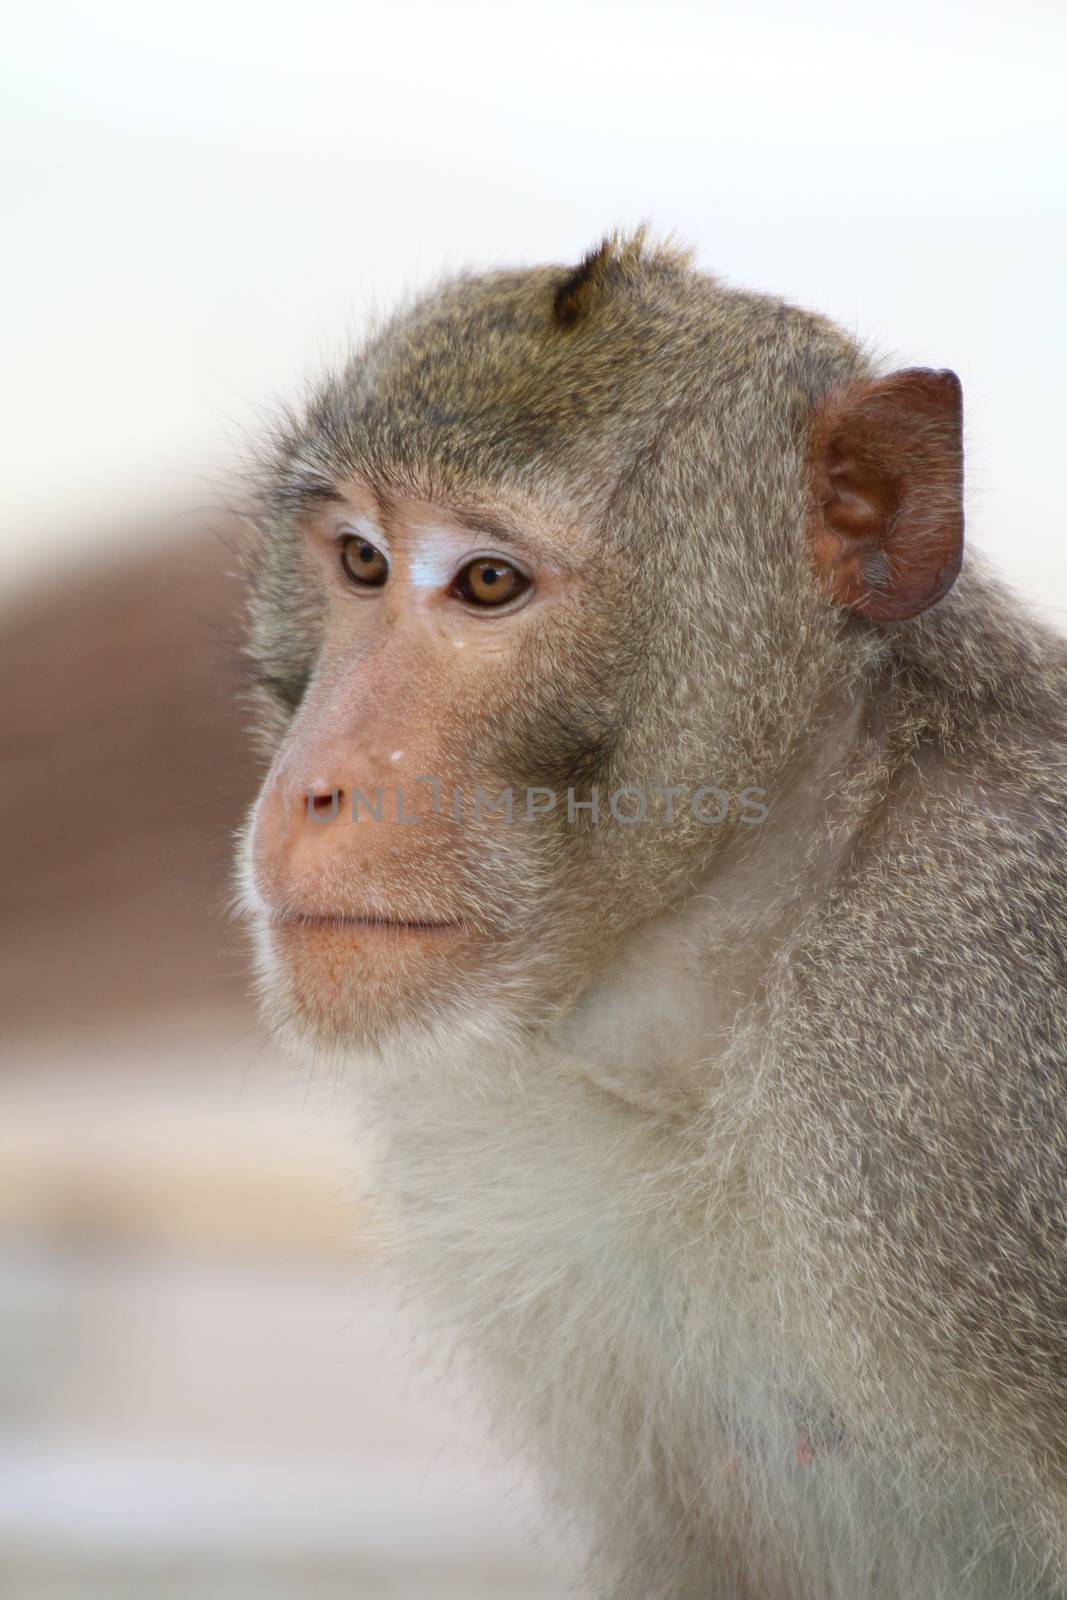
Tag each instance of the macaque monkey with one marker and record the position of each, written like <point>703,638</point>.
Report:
<point>671,840</point>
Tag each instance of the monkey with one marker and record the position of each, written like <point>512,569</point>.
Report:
<point>734,1154</point>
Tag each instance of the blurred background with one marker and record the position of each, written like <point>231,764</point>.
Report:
<point>204,1389</point>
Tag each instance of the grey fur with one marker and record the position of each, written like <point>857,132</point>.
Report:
<point>748,1192</point>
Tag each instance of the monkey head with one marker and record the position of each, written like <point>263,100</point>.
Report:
<point>550,536</point>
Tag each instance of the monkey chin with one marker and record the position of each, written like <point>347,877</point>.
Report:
<point>332,987</point>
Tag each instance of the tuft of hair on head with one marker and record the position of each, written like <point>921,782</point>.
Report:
<point>619,258</point>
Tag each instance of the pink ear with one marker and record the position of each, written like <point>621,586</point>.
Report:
<point>887,475</point>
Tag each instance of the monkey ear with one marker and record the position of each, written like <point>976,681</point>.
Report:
<point>887,471</point>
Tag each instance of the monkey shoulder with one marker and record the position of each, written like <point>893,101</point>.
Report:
<point>924,1077</point>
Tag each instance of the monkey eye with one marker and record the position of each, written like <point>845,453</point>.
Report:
<point>489,581</point>
<point>363,562</point>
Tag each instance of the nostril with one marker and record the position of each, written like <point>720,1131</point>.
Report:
<point>323,804</point>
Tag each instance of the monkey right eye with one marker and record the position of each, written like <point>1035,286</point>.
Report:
<point>363,562</point>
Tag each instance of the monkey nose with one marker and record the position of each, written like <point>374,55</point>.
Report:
<point>323,801</point>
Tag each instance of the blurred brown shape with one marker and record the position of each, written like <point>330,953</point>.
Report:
<point>125,771</point>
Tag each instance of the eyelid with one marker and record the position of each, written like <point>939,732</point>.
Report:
<point>527,589</point>
<point>472,556</point>
<point>369,535</point>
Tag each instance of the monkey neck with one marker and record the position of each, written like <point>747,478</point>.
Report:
<point>659,1026</point>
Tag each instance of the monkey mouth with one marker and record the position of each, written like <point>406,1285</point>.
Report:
<point>351,922</point>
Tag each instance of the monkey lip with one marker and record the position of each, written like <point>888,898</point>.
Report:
<point>347,922</point>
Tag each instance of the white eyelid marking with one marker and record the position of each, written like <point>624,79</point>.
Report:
<point>441,553</point>
<point>363,528</point>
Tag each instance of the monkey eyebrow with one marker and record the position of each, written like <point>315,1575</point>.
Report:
<point>306,492</point>
<point>309,490</point>
<point>499,527</point>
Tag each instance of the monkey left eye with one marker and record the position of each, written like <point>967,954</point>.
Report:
<point>363,563</point>
<point>489,582</point>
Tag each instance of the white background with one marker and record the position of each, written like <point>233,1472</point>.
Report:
<point>203,201</point>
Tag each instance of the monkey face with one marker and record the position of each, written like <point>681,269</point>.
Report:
<point>544,536</point>
<point>412,851</point>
